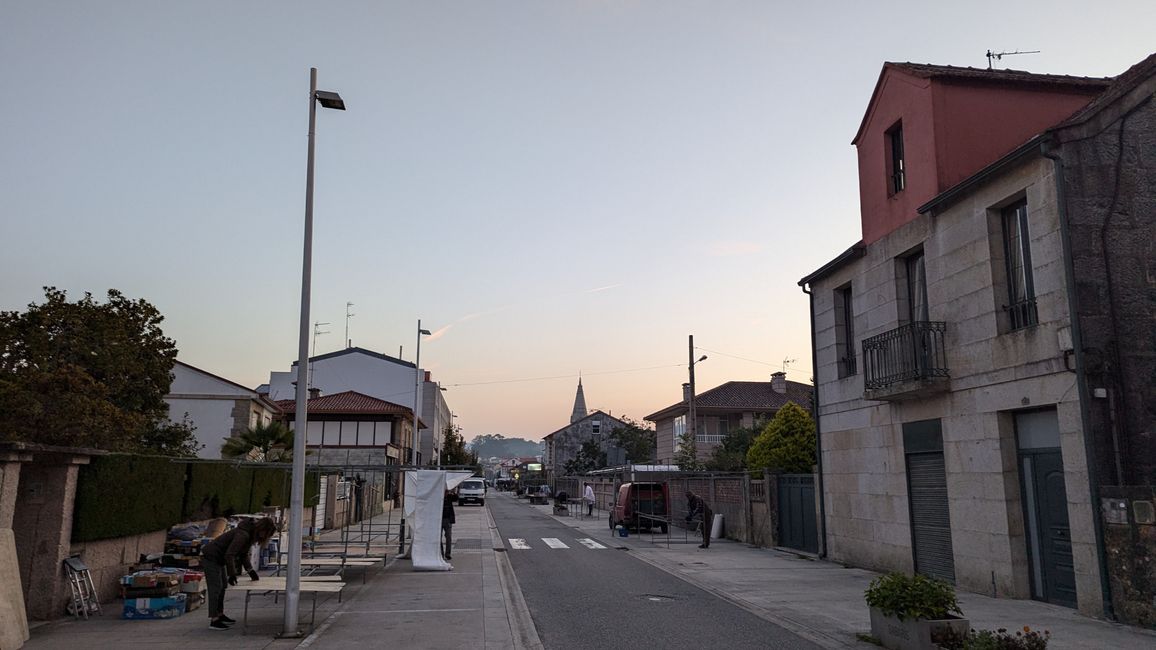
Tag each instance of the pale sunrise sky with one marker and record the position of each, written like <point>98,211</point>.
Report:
<point>552,187</point>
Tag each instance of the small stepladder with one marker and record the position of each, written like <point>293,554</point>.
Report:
<point>84,600</point>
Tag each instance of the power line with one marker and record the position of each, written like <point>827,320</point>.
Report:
<point>584,374</point>
<point>764,363</point>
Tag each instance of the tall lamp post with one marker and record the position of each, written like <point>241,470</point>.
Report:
<point>417,385</point>
<point>693,428</point>
<point>332,100</point>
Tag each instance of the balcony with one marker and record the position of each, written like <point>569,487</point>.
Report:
<point>906,362</point>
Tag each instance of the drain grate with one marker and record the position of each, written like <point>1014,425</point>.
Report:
<point>468,543</point>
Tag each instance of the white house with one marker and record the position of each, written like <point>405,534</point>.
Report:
<point>217,407</point>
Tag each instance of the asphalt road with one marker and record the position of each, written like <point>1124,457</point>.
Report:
<point>582,597</point>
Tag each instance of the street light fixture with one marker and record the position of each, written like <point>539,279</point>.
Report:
<point>327,99</point>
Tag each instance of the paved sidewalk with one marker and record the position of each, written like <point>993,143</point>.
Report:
<point>476,605</point>
<point>823,601</point>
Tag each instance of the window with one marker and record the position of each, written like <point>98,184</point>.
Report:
<point>896,166</point>
<point>916,289</point>
<point>1021,294</point>
<point>845,332</point>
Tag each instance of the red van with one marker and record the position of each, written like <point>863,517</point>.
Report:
<point>635,499</point>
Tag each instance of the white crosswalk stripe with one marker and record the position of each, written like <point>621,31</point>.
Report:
<point>519,544</point>
<point>589,543</point>
<point>554,542</point>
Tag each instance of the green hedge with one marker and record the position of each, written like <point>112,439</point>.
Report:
<point>120,494</point>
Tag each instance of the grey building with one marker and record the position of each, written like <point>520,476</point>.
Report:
<point>563,446</point>
<point>985,357</point>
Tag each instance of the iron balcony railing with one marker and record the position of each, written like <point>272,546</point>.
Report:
<point>912,352</point>
<point>1022,314</point>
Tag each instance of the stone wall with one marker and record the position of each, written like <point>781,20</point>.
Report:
<point>109,559</point>
<point>1130,545</point>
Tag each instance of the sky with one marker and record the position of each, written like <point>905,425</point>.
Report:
<point>553,188</point>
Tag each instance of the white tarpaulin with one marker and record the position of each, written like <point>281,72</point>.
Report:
<point>425,491</point>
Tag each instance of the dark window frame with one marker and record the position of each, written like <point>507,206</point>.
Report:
<point>896,160</point>
<point>1017,255</point>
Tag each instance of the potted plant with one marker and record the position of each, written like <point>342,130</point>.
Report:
<point>913,612</point>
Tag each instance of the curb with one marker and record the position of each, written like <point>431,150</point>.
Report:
<point>522,628</point>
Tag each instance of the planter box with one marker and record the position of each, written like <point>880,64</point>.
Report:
<point>911,634</point>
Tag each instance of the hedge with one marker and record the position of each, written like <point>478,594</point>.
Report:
<point>121,494</point>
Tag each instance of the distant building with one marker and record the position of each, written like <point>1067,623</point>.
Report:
<point>733,405</point>
<point>217,407</point>
<point>563,446</point>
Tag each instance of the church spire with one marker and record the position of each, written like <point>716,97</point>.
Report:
<point>579,404</point>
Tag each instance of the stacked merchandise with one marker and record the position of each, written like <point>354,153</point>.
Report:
<point>152,594</point>
<point>183,546</point>
<point>193,587</point>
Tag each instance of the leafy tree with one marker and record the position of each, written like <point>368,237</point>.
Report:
<point>787,443</point>
<point>638,442</point>
<point>686,454</point>
<point>454,450</point>
<point>271,443</point>
<point>89,374</point>
<point>589,458</point>
<point>495,444</point>
<point>731,454</point>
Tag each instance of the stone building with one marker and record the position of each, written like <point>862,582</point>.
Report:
<point>563,445</point>
<point>985,355</point>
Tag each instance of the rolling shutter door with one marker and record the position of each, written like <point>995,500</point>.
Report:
<point>930,522</point>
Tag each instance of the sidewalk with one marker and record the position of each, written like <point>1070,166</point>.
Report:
<point>823,601</point>
<point>477,604</point>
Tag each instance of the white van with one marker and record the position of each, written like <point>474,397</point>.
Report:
<point>472,490</point>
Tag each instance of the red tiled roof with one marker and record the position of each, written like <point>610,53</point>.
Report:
<point>929,71</point>
<point>756,396</point>
<point>350,402</point>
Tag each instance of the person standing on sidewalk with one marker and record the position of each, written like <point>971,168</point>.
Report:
<point>588,496</point>
<point>697,506</point>
<point>225,557</point>
<point>448,521</point>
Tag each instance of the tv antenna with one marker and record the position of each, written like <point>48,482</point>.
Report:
<point>348,314</point>
<point>787,362</point>
<point>316,332</point>
<point>998,56</point>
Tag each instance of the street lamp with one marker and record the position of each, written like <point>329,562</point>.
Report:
<point>417,383</point>
<point>693,429</point>
<point>332,100</point>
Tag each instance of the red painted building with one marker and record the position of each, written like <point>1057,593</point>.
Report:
<point>928,127</point>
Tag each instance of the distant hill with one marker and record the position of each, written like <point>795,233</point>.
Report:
<point>495,444</point>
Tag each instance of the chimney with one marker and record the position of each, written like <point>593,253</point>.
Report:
<point>314,393</point>
<point>779,382</point>
<point>686,392</point>
<point>427,376</point>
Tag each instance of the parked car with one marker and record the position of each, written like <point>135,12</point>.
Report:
<point>472,490</point>
<point>636,499</point>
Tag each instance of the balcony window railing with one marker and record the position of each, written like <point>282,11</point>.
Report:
<point>1022,314</point>
<point>850,364</point>
<point>912,352</point>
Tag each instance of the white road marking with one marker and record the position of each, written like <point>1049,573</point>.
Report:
<point>589,543</point>
<point>519,544</point>
<point>554,542</point>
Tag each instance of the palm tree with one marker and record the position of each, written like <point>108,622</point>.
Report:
<point>273,442</point>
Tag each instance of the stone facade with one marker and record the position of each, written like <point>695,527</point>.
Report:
<point>563,445</point>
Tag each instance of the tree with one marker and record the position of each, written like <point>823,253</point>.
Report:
<point>454,450</point>
<point>731,453</point>
<point>638,442</point>
<point>590,457</point>
<point>88,374</point>
<point>271,443</point>
<point>787,443</point>
<point>686,453</point>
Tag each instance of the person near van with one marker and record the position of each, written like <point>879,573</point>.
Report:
<point>448,521</point>
<point>225,557</point>
<point>696,506</point>
<point>588,496</point>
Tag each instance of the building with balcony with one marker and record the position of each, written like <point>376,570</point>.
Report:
<point>984,355</point>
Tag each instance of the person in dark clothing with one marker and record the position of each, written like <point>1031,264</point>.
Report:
<point>448,521</point>
<point>225,557</point>
<point>696,506</point>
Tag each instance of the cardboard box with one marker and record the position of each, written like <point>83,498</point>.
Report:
<point>154,608</point>
<point>193,587</point>
<point>194,601</point>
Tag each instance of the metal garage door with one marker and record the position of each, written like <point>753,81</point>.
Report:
<point>927,494</point>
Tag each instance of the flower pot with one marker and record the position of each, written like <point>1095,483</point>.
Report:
<point>912,633</point>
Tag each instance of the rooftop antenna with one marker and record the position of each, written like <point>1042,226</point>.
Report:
<point>348,314</point>
<point>787,362</point>
<point>316,332</point>
<point>998,56</point>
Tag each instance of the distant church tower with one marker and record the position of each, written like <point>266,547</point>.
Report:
<point>579,404</point>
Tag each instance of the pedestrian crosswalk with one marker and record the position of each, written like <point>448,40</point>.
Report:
<point>520,544</point>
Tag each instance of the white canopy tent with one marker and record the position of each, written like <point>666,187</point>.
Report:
<point>425,491</point>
